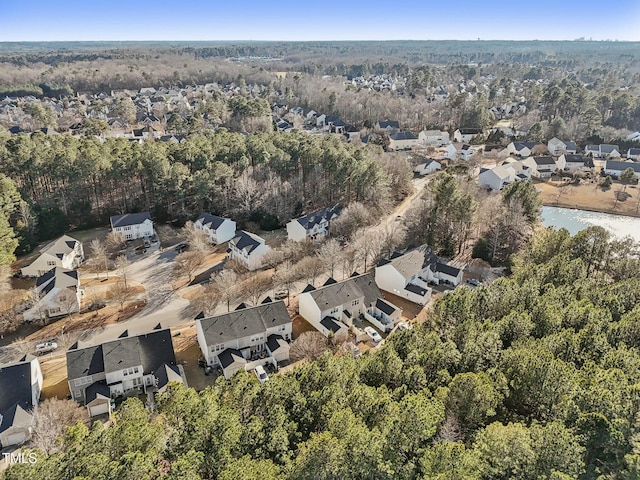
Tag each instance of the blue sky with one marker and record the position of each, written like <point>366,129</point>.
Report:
<point>51,20</point>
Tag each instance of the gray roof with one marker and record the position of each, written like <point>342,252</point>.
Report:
<point>275,342</point>
<point>330,324</point>
<point>609,148</point>
<point>389,123</point>
<point>230,356</point>
<point>150,350</point>
<point>95,389</point>
<point>413,261</point>
<point>470,131</point>
<point>341,293</point>
<point>57,277</point>
<point>634,151</point>
<point>570,146</point>
<point>544,161</point>
<point>211,220</point>
<point>622,166</point>
<point>129,219</point>
<point>246,241</point>
<point>403,136</point>
<point>447,269</point>
<point>62,245</point>
<point>574,158</point>
<point>311,219</point>
<point>245,322</point>
<point>15,388</point>
<point>410,287</point>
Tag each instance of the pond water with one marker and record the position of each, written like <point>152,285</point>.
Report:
<point>576,220</point>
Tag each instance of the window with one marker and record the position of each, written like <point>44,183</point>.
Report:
<point>355,302</point>
<point>128,236</point>
<point>63,298</point>
<point>137,382</point>
<point>83,381</point>
<point>127,228</point>
<point>51,263</point>
<point>217,348</point>
<point>282,328</point>
<point>130,371</point>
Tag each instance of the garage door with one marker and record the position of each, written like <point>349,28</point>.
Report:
<point>99,409</point>
<point>16,438</point>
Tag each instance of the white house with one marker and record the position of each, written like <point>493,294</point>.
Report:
<point>523,149</point>
<point>633,137</point>
<point>425,167</point>
<point>56,293</point>
<point>450,152</point>
<point>332,308</point>
<point>633,154</point>
<point>408,274</point>
<point>246,338</point>
<point>434,138</point>
<point>556,147</point>
<point>219,229</point>
<point>464,135</point>
<point>20,386</point>
<point>466,152</point>
<point>133,225</point>
<point>388,126</point>
<point>402,141</point>
<point>65,252</point>
<point>603,151</point>
<point>573,163</point>
<point>314,226</point>
<point>541,167</point>
<point>249,249</point>
<point>143,363</point>
<point>615,168</point>
<point>494,178</point>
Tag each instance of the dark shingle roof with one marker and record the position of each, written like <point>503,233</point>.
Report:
<point>244,240</point>
<point>341,293</point>
<point>95,389</point>
<point>274,342</point>
<point>389,124</point>
<point>211,220</point>
<point>403,136</point>
<point>129,219</point>
<point>544,161</point>
<point>447,269</point>
<point>622,166</point>
<point>385,307</point>
<point>15,386</point>
<point>413,261</point>
<point>330,324</point>
<point>242,323</point>
<point>229,356</point>
<point>312,219</point>
<point>84,362</point>
<point>415,289</point>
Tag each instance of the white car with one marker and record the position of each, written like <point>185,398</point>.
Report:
<point>46,347</point>
<point>261,374</point>
<point>281,294</point>
<point>372,334</point>
<point>404,326</point>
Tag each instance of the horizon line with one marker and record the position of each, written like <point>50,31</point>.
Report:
<point>613,40</point>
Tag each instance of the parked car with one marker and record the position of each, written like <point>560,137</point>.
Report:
<point>404,326</point>
<point>281,294</point>
<point>261,374</point>
<point>372,334</point>
<point>474,282</point>
<point>181,247</point>
<point>46,347</point>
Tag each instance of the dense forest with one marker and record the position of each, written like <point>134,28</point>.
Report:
<point>268,178</point>
<point>536,376</point>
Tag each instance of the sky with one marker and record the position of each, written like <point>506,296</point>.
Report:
<point>102,20</point>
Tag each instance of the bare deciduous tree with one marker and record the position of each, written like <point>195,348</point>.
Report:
<point>121,293</point>
<point>208,300</point>
<point>286,275</point>
<point>99,259</point>
<point>122,263</point>
<point>226,282</point>
<point>255,286</point>
<point>353,217</point>
<point>187,263</point>
<point>114,242</point>
<point>198,240</point>
<point>331,254</point>
<point>51,418</point>
<point>309,345</point>
<point>310,268</point>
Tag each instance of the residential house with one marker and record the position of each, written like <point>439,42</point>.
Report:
<point>523,149</point>
<point>249,249</point>
<point>556,147</point>
<point>541,167</point>
<point>465,135</point>
<point>494,178</point>
<point>389,126</point>
<point>126,365</point>
<point>402,141</point>
<point>314,226</point>
<point>427,166</point>
<point>246,338</point>
<point>408,274</point>
<point>633,154</point>
<point>56,293</point>
<point>219,229</point>
<point>615,168</point>
<point>20,386</point>
<point>434,138</point>
<point>604,151</point>
<point>633,137</point>
<point>332,308</point>
<point>573,163</point>
<point>133,225</point>
<point>466,152</point>
<point>65,252</point>
<point>450,152</point>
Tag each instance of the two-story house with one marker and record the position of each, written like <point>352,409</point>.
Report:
<point>142,363</point>
<point>65,252</point>
<point>427,166</point>
<point>219,229</point>
<point>556,147</point>
<point>465,135</point>
<point>434,138</point>
<point>402,141</point>
<point>133,225</point>
<point>56,293</point>
<point>249,249</point>
<point>408,274</point>
<point>245,338</point>
<point>542,167</point>
<point>573,163</point>
<point>20,386</point>
<point>314,226</point>
<point>332,307</point>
